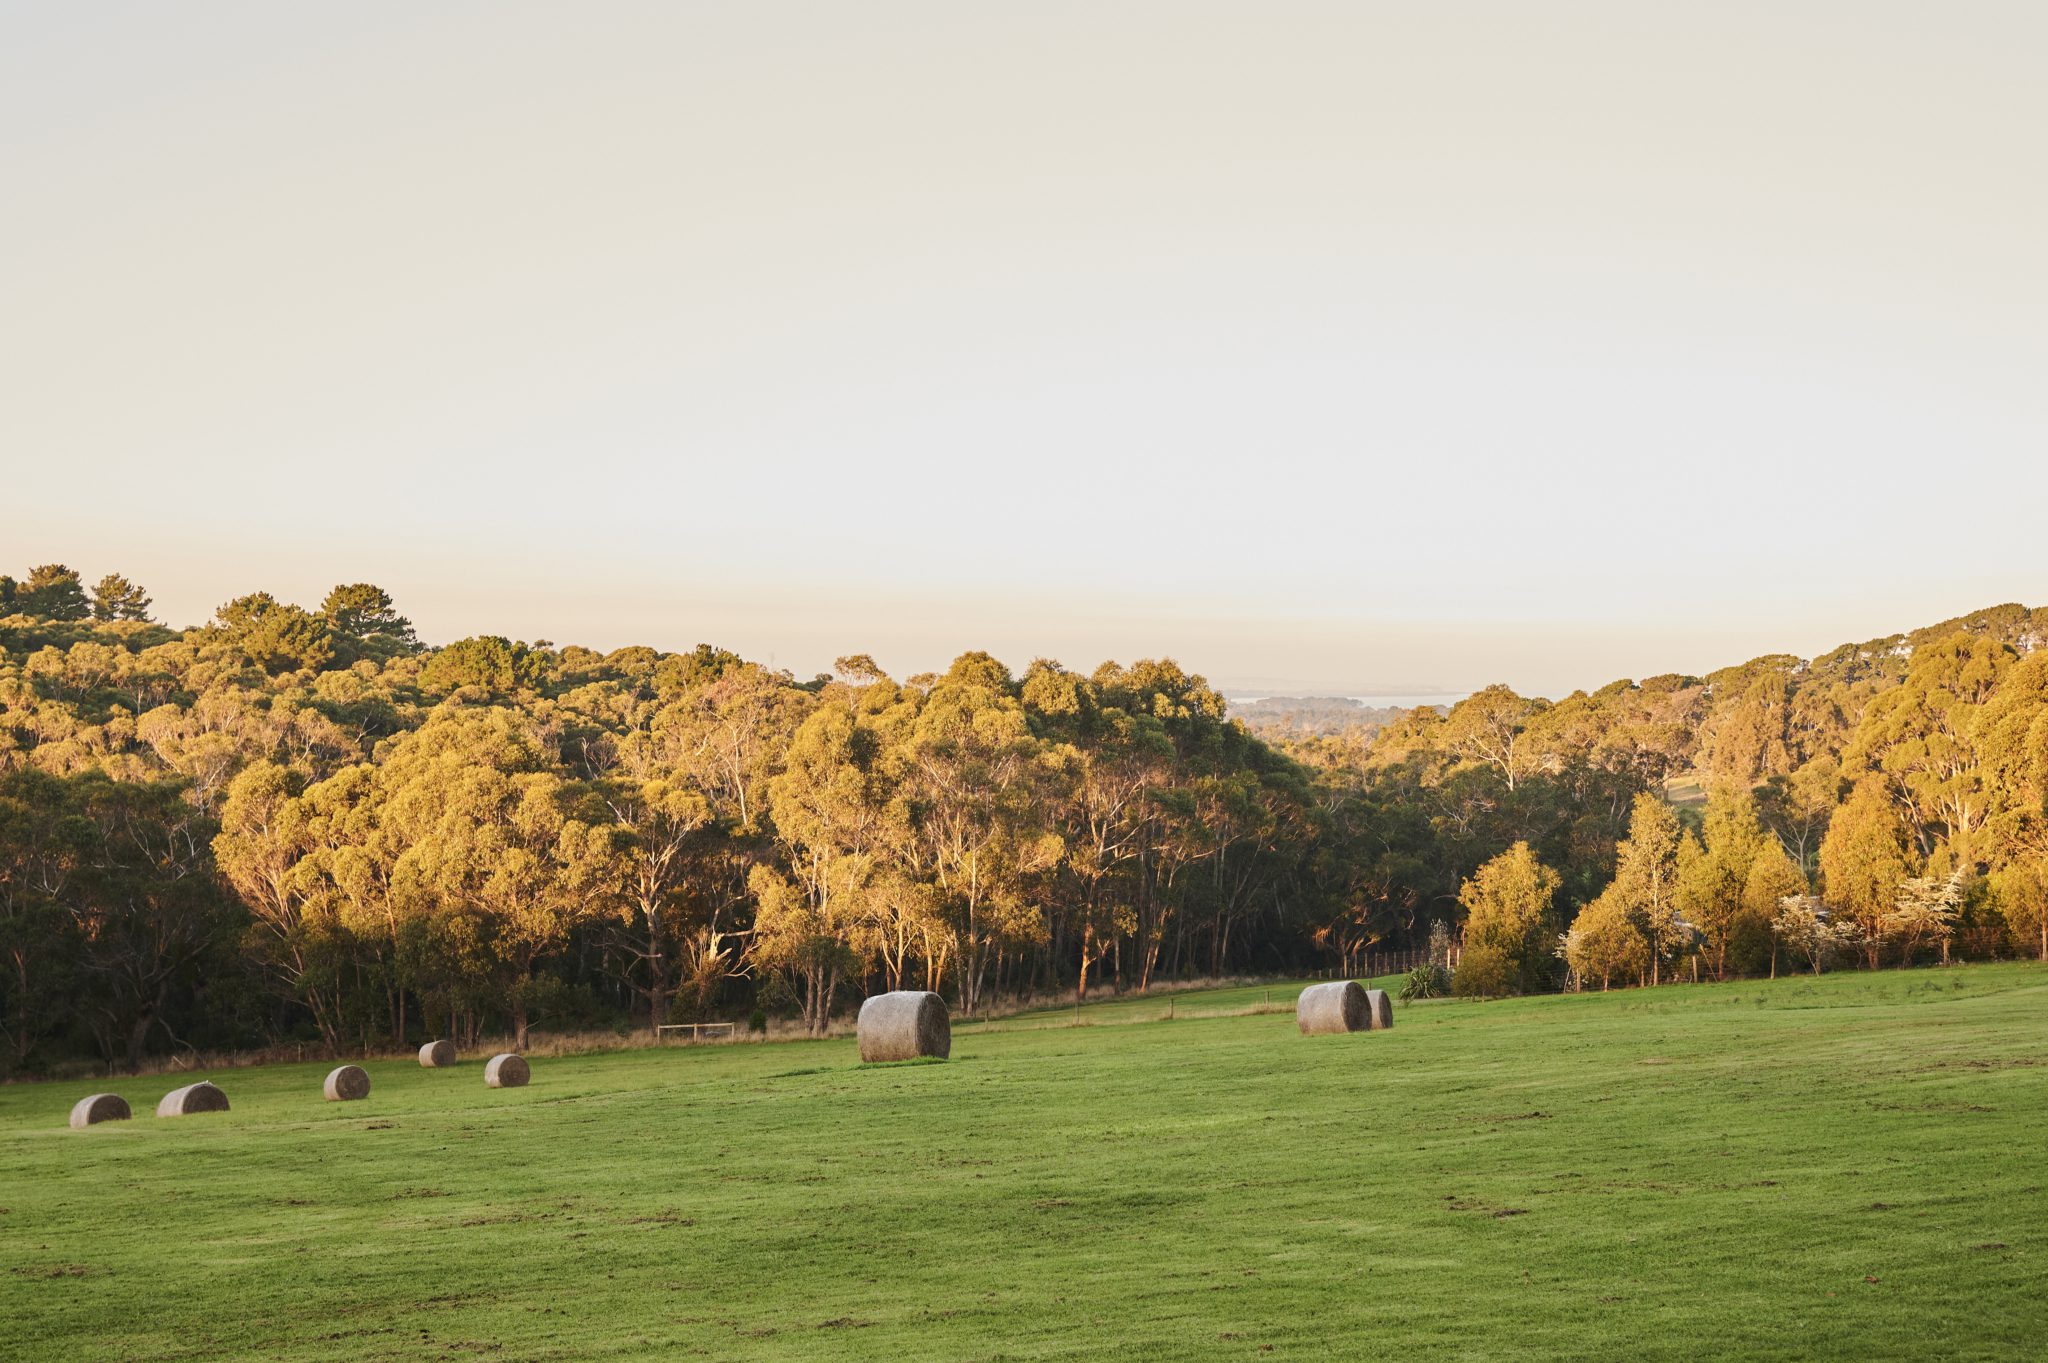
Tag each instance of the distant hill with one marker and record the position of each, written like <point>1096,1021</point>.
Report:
<point>1282,717</point>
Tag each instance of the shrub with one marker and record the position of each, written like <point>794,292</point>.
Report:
<point>1485,972</point>
<point>1426,982</point>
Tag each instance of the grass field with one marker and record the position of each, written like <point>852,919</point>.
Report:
<point>1165,1004</point>
<point>1850,1167</point>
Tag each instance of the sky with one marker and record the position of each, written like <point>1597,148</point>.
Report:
<point>1331,348</point>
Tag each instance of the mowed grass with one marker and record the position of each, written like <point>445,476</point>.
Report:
<point>1169,1003</point>
<point>1851,1167</point>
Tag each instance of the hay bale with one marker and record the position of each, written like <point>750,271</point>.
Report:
<point>437,1055</point>
<point>908,1024</point>
<point>99,1107</point>
<point>506,1071</point>
<point>1337,1006</point>
<point>346,1083</point>
<point>1381,1009</point>
<point>199,1097</point>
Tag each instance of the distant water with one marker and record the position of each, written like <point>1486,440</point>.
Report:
<point>1412,702</point>
<point>1376,702</point>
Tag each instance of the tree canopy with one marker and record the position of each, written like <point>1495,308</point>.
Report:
<point>293,823</point>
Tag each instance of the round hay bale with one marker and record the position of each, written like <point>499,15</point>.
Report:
<point>199,1097</point>
<point>1381,1009</point>
<point>346,1083</point>
<point>507,1071</point>
<point>437,1055</point>
<point>99,1107</point>
<point>909,1024</point>
<point>1337,1006</point>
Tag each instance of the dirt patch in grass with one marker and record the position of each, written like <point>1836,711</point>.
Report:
<point>49,1271</point>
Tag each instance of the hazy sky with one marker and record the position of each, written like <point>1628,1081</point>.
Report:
<point>1323,346</point>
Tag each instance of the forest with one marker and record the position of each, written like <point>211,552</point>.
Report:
<point>297,825</point>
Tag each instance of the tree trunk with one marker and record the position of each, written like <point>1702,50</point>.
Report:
<point>819,983</point>
<point>1087,940</point>
<point>659,990</point>
<point>138,1032</point>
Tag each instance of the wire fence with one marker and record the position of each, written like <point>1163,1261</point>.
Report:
<point>1368,965</point>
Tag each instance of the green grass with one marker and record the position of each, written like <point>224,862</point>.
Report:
<point>1849,1168</point>
<point>1165,1004</point>
<point>1686,789</point>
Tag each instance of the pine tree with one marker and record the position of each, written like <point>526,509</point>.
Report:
<point>54,592</point>
<point>116,598</point>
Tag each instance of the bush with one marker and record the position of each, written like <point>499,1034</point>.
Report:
<point>1485,972</point>
<point>1426,982</point>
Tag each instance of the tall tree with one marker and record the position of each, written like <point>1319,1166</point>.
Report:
<point>659,822</point>
<point>366,621</point>
<point>1490,727</point>
<point>1604,943</point>
<point>830,808</point>
<point>272,634</point>
<point>1111,758</point>
<point>488,662</point>
<point>975,778</point>
<point>1646,879</point>
<point>492,849</point>
<point>265,833</point>
<point>1713,874</point>
<point>54,592</point>
<point>150,909</point>
<point>1508,914</point>
<point>1773,878</point>
<point>1922,736</point>
<point>45,847</point>
<point>116,598</point>
<point>1862,862</point>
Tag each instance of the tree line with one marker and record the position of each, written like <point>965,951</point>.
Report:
<point>304,824</point>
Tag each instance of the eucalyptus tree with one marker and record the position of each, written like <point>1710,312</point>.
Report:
<point>45,846</point>
<point>659,821</point>
<point>1713,876</point>
<point>830,806</point>
<point>1112,759</point>
<point>689,789</point>
<point>1491,727</point>
<point>265,834</point>
<point>978,785</point>
<point>148,908</point>
<point>1922,738</point>
<point>1863,860</point>
<point>491,850</point>
<point>1646,880</point>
